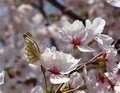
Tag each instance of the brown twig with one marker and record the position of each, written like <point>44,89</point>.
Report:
<point>87,63</point>
<point>58,89</point>
<point>64,10</point>
<point>40,6</point>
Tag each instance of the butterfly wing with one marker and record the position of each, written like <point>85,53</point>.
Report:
<point>32,51</point>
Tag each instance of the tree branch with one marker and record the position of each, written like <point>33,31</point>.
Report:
<point>40,6</point>
<point>64,10</point>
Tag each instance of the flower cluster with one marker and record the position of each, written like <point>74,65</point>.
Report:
<point>101,73</point>
<point>60,56</point>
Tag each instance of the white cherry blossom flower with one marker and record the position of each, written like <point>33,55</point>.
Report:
<point>25,9</point>
<point>95,30</point>
<point>76,35</point>
<point>59,64</point>
<point>37,19</point>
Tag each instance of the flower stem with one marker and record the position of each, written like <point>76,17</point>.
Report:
<point>89,62</point>
<point>77,88</point>
<point>51,89</point>
<point>45,83</point>
<point>59,87</point>
<point>43,71</point>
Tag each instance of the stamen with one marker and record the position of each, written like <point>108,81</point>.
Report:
<point>76,42</point>
<point>55,70</point>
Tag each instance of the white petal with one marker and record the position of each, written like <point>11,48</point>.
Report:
<point>107,40</point>
<point>65,37</point>
<point>66,69</point>
<point>88,24</point>
<point>37,89</point>
<point>99,40</point>
<point>66,28</point>
<point>98,25</point>
<point>77,25</point>
<point>118,65</point>
<point>117,89</point>
<point>115,3</point>
<point>58,79</point>
<point>80,91</point>
<point>85,49</point>
<point>2,75</point>
<point>66,23</point>
<point>33,66</point>
<point>104,41</point>
<point>83,36</point>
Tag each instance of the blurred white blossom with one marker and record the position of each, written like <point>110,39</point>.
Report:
<point>114,2</point>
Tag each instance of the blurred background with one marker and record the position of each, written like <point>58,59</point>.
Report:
<point>44,18</point>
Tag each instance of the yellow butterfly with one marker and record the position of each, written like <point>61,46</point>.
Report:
<point>32,51</point>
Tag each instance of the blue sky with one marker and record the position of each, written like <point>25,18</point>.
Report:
<point>50,8</point>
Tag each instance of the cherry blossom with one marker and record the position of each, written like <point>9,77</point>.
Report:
<point>59,64</point>
<point>77,26</point>
<point>76,80</point>
<point>95,30</point>
<point>75,34</point>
